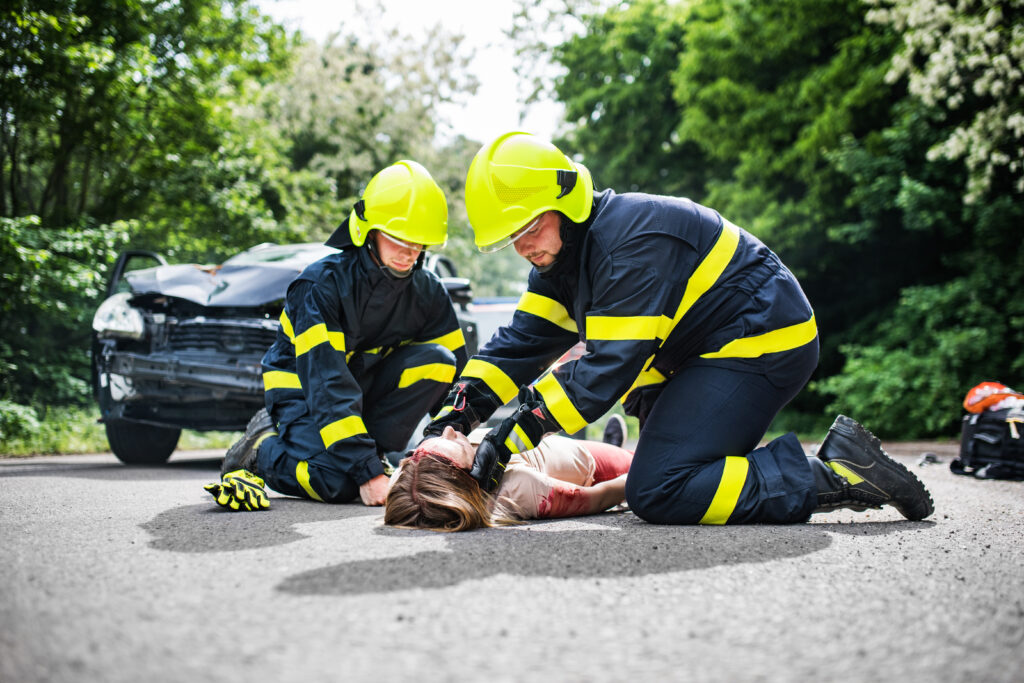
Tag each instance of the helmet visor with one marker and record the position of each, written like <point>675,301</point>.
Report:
<point>530,229</point>
<point>402,243</point>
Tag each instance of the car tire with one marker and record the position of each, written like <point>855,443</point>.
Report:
<point>140,444</point>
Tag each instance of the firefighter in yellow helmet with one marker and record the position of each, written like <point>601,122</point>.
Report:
<point>693,323</point>
<point>369,343</point>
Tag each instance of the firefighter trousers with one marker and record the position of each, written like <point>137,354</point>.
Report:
<point>697,460</point>
<point>295,462</point>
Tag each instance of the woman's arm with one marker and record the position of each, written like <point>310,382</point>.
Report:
<point>569,500</point>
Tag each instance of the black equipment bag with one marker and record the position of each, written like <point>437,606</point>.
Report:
<point>992,445</point>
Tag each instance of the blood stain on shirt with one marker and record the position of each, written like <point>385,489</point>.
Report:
<point>563,501</point>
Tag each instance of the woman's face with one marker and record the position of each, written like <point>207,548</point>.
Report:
<point>454,445</point>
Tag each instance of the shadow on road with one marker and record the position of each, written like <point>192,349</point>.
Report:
<point>627,547</point>
<point>112,471</point>
<point>213,529</point>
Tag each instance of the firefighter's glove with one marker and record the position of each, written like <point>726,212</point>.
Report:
<point>463,410</point>
<point>239,490</point>
<point>517,434</point>
<point>489,463</point>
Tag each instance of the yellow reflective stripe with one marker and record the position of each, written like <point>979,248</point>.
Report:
<point>437,372</point>
<point>279,379</point>
<point>706,274</point>
<point>624,328</point>
<point>547,308</point>
<point>734,475</point>
<point>302,474</point>
<point>312,337</point>
<point>444,411</point>
<point>452,341</point>
<point>783,339</point>
<point>646,377</point>
<point>342,429</point>
<point>286,326</point>
<point>493,376</point>
<point>845,472</point>
<point>518,442</point>
<point>337,340</point>
<point>557,401</point>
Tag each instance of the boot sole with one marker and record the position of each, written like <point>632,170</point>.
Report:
<point>920,508</point>
<point>237,456</point>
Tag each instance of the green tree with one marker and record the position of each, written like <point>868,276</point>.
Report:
<point>963,323</point>
<point>617,90</point>
<point>48,292</point>
<point>103,102</point>
<point>117,126</point>
<point>365,99</point>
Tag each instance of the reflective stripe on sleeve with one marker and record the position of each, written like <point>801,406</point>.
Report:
<point>286,326</point>
<point>316,335</point>
<point>624,328</point>
<point>548,309</point>
<point>437,372</point>
<point>302,475</point>
<point>493,376</point>
<point>558,403</point>
<point>279,379</point>
<point>734,475</point>
<point>782,339</point>
<point>342,429</point>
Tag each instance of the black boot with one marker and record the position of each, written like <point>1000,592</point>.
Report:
<point>858,474</point>
<point>242,454</point>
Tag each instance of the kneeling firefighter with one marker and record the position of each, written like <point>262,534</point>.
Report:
<point>369,343</point>
<point>691,321</point>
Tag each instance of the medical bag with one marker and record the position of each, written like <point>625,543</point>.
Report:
<point>992,445</point>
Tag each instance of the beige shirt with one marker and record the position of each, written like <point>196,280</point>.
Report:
<point>540,482</point>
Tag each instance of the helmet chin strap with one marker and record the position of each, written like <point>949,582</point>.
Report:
<point>388,270</point>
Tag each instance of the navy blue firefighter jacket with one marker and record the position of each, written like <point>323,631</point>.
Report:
<point>650,284</point>
<point>342,314</point>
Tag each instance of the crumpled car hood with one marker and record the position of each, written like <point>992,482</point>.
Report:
<point>250,285</point>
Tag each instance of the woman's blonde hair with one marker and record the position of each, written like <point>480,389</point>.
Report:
<point>432,492</point>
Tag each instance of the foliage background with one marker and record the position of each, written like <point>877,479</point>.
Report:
<point>876,145</point>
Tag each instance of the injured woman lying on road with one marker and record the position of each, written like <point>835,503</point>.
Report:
<point>432,489</point>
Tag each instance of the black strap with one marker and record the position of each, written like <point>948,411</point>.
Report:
<point>567,181</point>
<point>360,209</point>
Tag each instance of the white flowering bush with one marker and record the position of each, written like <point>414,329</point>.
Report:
<point>965,58</point>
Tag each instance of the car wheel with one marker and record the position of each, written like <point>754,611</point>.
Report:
<point>140,444</point>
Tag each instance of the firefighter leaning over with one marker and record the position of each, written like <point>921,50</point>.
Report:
<point>369,343</point>
<point>691,321</point>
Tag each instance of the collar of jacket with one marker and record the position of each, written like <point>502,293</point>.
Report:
<point>567,262</point>
<point>341,238</point>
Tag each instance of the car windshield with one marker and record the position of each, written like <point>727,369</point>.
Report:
<point>283,254</point>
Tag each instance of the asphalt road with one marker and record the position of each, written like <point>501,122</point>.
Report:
<point>115,573</point>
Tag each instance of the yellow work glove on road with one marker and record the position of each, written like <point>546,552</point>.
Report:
<point>239,490</point>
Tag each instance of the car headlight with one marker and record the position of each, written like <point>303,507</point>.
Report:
<point>115,318</point>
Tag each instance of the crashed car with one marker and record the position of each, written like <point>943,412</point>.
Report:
<point>179,346</point>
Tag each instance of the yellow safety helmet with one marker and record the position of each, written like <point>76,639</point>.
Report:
<point>403,201</point>
<point>517,177</point>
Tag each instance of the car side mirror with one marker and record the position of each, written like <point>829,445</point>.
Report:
<point>459,290</point>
